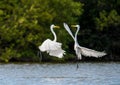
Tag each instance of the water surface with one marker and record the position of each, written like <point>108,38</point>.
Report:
<point>60,74</point>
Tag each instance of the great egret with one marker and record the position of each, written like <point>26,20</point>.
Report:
<point>82,50</point>
<point>53,48</point>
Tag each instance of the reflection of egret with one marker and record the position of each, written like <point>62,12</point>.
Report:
<point>53,48</point>
<point>82,50</point>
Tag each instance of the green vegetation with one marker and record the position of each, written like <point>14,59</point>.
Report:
<point>25,24</point>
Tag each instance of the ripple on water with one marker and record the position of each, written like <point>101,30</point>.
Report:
<point>60,74</point>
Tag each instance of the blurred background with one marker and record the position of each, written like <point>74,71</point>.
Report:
<point>25,24</point>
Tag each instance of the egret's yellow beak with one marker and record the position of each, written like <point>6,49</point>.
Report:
<point>73,25</point>
<point>56,26</point>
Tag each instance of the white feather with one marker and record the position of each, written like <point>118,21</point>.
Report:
<point>52,47</point>
<point>78,53</point>
<point>59,53</point>
<point>82,50</point>
<point>49,45</point>
<point>91,53</point>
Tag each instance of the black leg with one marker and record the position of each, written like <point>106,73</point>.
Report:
<point>39,54</point>
<point>77,60</point>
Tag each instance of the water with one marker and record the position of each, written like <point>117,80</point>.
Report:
<point>60,74</point>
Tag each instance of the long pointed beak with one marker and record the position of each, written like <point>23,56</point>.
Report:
<point>73,25</point>
<point>56,26</point>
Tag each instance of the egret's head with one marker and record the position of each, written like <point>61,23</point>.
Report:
<point>78,26</point>
<point>54,26</point>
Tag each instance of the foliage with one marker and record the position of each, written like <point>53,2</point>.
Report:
<point>100,25</point>
<point>24,25</point>
<point>110,23</point>
<point>108,19</point>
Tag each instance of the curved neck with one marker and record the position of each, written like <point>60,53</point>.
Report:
<point>55,38</point>
<point>76,34</point>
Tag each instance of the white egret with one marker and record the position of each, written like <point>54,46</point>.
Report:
<point>82,50</point>
<point>52,47</point>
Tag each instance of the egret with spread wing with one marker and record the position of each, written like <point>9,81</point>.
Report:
<point>52,47</point>
<point>82,50</point>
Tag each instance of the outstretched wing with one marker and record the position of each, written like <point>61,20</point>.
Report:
<point>68,29</point>
<point>57,53</point>
<point>91,53</point>
<point>49,45</point>
<point>52,48</point>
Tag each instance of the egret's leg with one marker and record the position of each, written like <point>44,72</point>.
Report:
<point>39,54</point>
<point>77,60</point>
<point>77,65</point>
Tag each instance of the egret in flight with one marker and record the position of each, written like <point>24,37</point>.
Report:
<point>79,49</point>
<point>52,47</point>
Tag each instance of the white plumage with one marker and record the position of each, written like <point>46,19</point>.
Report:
<point>82,50</point>
<point>48,45</point>
<point>90,52</point>
<point>53,48</point>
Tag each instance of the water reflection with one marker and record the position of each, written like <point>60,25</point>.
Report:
<point>60,74</point>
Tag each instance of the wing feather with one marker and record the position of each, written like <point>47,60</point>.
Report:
<point>57,53</point>
<point>91,53</point>
<point>49,45</point>
<point>52,48</point>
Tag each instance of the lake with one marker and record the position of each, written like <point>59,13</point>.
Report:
<point>60,74</point>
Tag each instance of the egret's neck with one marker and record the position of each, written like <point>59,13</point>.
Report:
<point>76,35</point>
<point>55,38</point>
